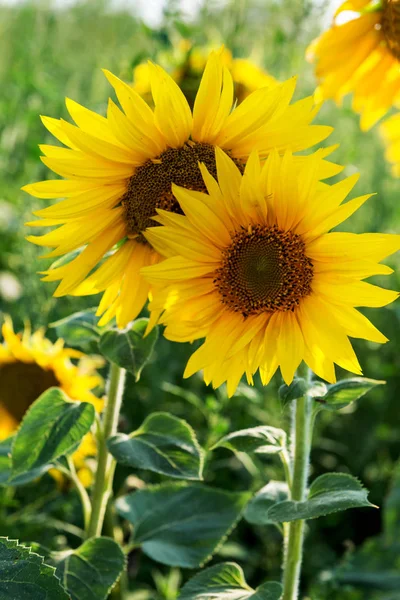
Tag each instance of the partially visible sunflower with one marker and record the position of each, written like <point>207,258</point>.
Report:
<point>119,170</point>
<point>361,56</point>
<point>390,131</point>
<point>251,267</point>
<point>186,64</point>
<point>29,365</point>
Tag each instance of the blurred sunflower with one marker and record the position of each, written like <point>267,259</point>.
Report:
<point>361,56</point>
<point>187,63</point>
<point>119,170</point>
<point>390,131</point>
<point>29,365</point>
<point>252,268</point>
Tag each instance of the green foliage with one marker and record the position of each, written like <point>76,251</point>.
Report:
<point>181,524</point>
<point>130,348</point>
<point>52,427</point>
<point>79,328</point>
<point>295,390</point>
<point>25,576</point>
<point>256,511</point>
<point>91,571</point>
<point>226,581</point>
<point>328,494</point>
<point>164,444</point>
<point>346,391</point>
<point>262,440</point>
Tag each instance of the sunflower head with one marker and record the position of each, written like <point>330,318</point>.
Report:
<point>361,56</point>
<point>253,268</point>
<point>119,170</point>
<point>30,364</point>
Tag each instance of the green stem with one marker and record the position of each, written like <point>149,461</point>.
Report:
<point>301,444</point>
<point>106,464</point>
<point>85,500</point>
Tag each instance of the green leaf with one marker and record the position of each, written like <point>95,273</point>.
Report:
<point>91,571</point>
<point>256,511</point>
<point>24,575</point>
<point>164,444</point>
<point>52,427</point>
<point>5,459</point>
<point>78,328</point>
<point>226,581</point>
<point>391,510</point>
<point>346,391</point>
<point>262,440</point>
<point>295,390</point>
<point>329,493</point>
<point>181,524</point>
<point>128,348</point>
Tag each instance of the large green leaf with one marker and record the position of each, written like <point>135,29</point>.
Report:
<point>256,511</point>
<point>92,570</point>
<point>24,575</point>
<point>329,493</point>
<point>52,427</point>
<point>346,391</point>
<point>78,328</point>
<point>262,440</point>
<point>226,581</point>
<point>164,444</point>
<point>181,524</point>
<point>129,348</point>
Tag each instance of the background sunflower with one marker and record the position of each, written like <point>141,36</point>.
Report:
<point>30,364</point>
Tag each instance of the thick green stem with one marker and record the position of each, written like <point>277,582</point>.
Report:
<point>301,444</point>
<point>106,464</point>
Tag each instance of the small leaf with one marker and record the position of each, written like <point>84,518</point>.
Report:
<point>52,427</point>
<point>226,581</point>
<point>91,571</point>
<point>128,348</point>
<point>295,390</point>
<point>5,459</point>
<point>181,524</point>
<point>256,511</point>
<point>24,575</point>
<point>164,444</point>
<point>262,440</point>
<point>78,328</point>
<point>346,391</point>
<point>329,493</point>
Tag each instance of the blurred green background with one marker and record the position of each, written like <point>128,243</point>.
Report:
<point>47,53</point>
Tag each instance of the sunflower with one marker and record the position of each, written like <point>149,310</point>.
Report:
<point>251,266</point>
<point>390,131</point>
<point>119,170</point>
<point>187,63</point>
<point>361,56</point>
<point>29,365</point>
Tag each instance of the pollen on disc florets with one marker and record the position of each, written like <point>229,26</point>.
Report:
<point>264,269</point>
<point>391,25</point>
<point>150,186</point>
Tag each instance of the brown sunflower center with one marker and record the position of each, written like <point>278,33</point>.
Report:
<point>20,385</point>
<point>150,186</point>
<point>264,269</point>
<point>391,25</point>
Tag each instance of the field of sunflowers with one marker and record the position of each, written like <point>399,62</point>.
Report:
<point>199,365</point>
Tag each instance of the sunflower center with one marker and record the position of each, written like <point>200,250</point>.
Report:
<point>20,385</point>
<point>391,25</point>
<point>150,186</point>
<point>264,269</point>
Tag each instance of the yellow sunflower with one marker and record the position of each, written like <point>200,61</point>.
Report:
<point>119,170</point>
<point>187,63</point>
<point>251,266</point>
<point>361,56</point>
<point>29,365</point>
<point>390,131</point>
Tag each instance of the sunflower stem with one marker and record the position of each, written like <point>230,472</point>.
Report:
<point>80,488</point>
<point>301,435</point>
<point>106,464</point>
